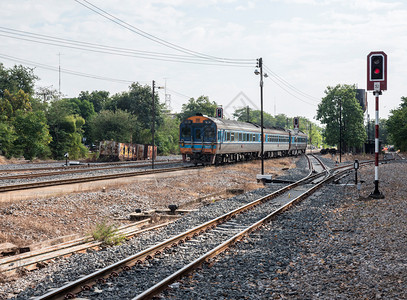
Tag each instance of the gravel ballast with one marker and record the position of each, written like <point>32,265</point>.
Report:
<point>334,245</point>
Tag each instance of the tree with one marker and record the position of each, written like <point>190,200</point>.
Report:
<point>201,105</point>
<point>99,99</point>
<point>32,135</point>
<point>83,108</point>
<point>18,100</point>
<point>17,78</point>
<point>138,102</point>
<point>383,133</point>
<point>397,126</point>
<point>167,136</point>
<point>7,138</point>
<point>342,98</point>
<point>66,129</point>
<point>118,126</point>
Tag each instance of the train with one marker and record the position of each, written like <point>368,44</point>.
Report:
<point>115,151</point>
<point>214,141</point>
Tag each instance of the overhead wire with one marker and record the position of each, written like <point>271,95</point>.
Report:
<point>98,48</point>
<point>71,72</point>
<point>290,86</point>
<point>76,73</point>
<point>156,39</point>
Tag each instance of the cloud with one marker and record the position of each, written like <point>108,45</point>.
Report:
<point>247,6</point>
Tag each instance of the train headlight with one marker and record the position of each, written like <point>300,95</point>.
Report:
<point>182,143</point>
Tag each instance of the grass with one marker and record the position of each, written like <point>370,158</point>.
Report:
<point>108,234</point>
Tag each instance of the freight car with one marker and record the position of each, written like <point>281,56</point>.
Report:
<point>114,151</point>
<point>207,140</point>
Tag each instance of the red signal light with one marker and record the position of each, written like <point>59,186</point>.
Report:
<point>377,71</point>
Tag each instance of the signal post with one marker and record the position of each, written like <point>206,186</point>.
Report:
<point>377,82</point>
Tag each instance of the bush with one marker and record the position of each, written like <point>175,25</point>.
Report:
<point>108,234</point>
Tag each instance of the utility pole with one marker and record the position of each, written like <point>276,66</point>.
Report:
<point>59,71</point>
<point>310,139</point>
<point>262,177</point>
<point>340,129</point>
<point>261,118</point>
<point>153,126</point>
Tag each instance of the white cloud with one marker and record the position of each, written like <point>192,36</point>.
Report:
<point>247,6</point>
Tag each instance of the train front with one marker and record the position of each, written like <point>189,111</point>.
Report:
<point>197,140</point>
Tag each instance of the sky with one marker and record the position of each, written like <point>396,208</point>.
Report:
<point>306,46</point>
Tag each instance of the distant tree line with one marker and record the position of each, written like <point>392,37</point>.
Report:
<point>340,111</point>
<point>41,124</point>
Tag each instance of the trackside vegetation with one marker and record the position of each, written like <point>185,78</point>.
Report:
<point>39,123</point>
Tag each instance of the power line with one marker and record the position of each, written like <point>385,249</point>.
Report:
<point>158,40</point>
<point>66,71</point>
<point>97,48</point>
<point>290,86</point>
<point>287,91</point>
<point>76,73</point>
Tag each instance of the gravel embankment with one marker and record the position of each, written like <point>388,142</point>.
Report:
<point>73,213</point>
<point>334,245</point>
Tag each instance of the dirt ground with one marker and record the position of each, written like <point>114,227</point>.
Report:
<point>30,221</point>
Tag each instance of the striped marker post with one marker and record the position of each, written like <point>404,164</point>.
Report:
<point>376,193</point>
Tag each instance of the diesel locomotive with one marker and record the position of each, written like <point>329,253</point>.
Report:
<point>206,140</point>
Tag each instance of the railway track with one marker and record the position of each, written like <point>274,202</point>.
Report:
<point>82,165</point>
<point>33,185</point>
<point>185,252</point>
<point>82,169</point>
<point>31,260</point>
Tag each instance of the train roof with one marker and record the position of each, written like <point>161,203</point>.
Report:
<point>233,125</point>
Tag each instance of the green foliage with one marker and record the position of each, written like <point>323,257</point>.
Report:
<point>201,105</point>
<point>16,79</point>
<point>342,98</point>
<point>7,138</point>
<point>19,100</point>
<point>6,110</point>
<point>32,135</point>
<point>83,108</point>
<point>66,129</point>
<point>97,98</point>
<point>118,126</point>
<point>167,136</point>
<point>107,233</point>
<point>22,131</point>
<point>138,102</point>
<point>254,116</point>
<point>383,133</point>
<point>315,135</point>
<point>397,125</point>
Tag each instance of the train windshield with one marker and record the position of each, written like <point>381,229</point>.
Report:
<point>186,131</point>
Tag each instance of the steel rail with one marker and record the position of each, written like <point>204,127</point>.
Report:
<point>29,259</point>
<point>88,169</point>
<point>163,284</point>
<point>69,290</point>
<point>88,179</point>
